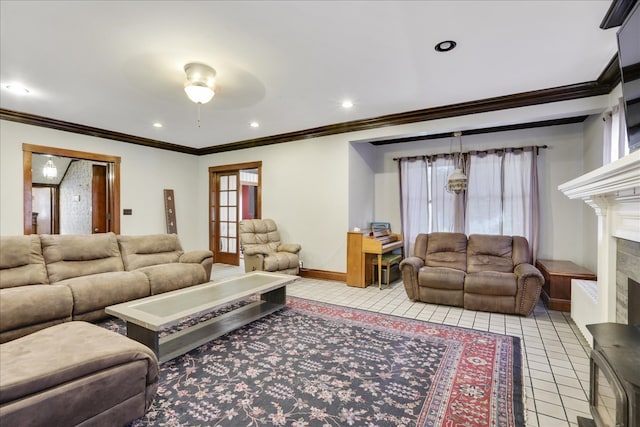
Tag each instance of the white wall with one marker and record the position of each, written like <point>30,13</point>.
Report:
<point>310,187</point>
<point>592,159</point>
<point>144,173</point>
<point>561,219</point>
<point>304,189</point>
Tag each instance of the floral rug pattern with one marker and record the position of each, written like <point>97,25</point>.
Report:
<point>314,364</point>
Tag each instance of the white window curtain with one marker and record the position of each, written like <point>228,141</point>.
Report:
<point>484,194</point>
<point>414,200</point>
<point>615,134</point>
<point>445,213</point>
<point>502,195</point>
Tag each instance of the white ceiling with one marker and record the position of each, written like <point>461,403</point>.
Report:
<point>118,65</point>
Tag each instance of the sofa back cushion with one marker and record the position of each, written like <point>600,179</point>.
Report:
<point>261,232</point>
<point>490,253</point>
<point>446,250</point>
<point>144,251</point>
<point>21,261</point>
<point>78,255</point>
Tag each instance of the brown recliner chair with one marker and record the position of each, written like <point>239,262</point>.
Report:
<point>484,272</point>
<point>262,249</point>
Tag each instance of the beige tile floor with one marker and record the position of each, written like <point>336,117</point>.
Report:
<point>556,355</point>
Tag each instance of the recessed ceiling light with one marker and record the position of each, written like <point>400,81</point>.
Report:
<point>254,124</point>
<point>445,46</point>
<point>157,125</point>
<point>347,103</point>
<point>17,88</point>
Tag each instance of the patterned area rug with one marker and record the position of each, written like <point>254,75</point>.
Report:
<point>314,364</point>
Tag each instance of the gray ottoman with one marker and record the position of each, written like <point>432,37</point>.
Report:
<point>75,373</point>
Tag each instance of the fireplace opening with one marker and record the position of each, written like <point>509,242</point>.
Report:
<point>633,309</point>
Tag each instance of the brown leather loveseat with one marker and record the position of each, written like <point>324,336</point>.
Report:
<point>482,272</point>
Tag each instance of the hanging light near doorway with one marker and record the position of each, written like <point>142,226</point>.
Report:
<point>457,181</point>
<point>50,170</point>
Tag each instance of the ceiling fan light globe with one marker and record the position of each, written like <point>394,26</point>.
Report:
<point>199,93</point>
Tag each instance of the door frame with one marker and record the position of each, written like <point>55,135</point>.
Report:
<point>214,225</point>
<point>113,180</point>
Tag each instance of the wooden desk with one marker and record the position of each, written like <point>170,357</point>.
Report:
<point>556,292</point>
<point>360,249</point>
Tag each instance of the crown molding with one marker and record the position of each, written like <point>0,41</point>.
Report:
<point>46,122</point>
<point>493,129</point>
<point>617,13</point>
<point>607,80</point>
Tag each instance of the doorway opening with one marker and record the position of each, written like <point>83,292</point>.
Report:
<point>52,206</point>
<point>234,194</point>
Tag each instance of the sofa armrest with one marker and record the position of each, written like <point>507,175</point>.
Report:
<point>529,281</point>
<point>294,248</point>
<point>409,267</point>
<point>196,257</point>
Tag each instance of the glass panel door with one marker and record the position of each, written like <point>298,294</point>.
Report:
<point>227,237</point>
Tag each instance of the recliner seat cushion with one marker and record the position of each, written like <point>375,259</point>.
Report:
<point>441,278</point>
<point>277,261</point>
<point>31,305</point>
<point>491,283</point>
<point>169,277</point>
<point>97,291</point>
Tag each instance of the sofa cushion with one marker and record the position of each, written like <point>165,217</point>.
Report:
<point>278,261</point>
<point>143,251</point>
<point>169,277</point>
<point>262,232</point>
<point>441,278</point>
<point>489,253</point>
<point>447,250</point>
<point>61,354</point>
<point>69,256</point>
<point>98,291</point>
<point>21,261</point>
<point>491,283</point>
<point>32,305</point>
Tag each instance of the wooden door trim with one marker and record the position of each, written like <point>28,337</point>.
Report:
<point>213,190</point>
<point>114,180</point>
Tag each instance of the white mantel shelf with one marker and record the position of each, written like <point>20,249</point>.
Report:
<point>618,178</point>
<point>613,191</point>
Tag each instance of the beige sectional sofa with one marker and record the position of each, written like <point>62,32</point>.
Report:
<point>73,374</point>
<point>480,272</point>
<point>51,279</point>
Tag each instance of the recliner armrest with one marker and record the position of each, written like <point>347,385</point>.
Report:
<point>527,270</point>
<point>409,268</point>
<point>255,250</point>
<point>293,248</point>
<point>414,264</point>
<point>529,282</point>
<point>195,256</point>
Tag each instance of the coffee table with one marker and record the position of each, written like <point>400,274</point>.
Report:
<point>146,317</point>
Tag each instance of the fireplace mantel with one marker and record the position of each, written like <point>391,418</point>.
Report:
<point>613,191</point>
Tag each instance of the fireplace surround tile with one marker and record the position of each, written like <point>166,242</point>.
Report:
<point>627,266</point>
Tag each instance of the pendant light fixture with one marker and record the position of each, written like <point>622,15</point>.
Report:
<point>50,170</point>
<point>457,181</point>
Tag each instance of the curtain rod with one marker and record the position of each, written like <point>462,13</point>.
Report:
<point>395,159</point>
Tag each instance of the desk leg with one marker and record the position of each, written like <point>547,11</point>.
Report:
<point>380,271</point>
